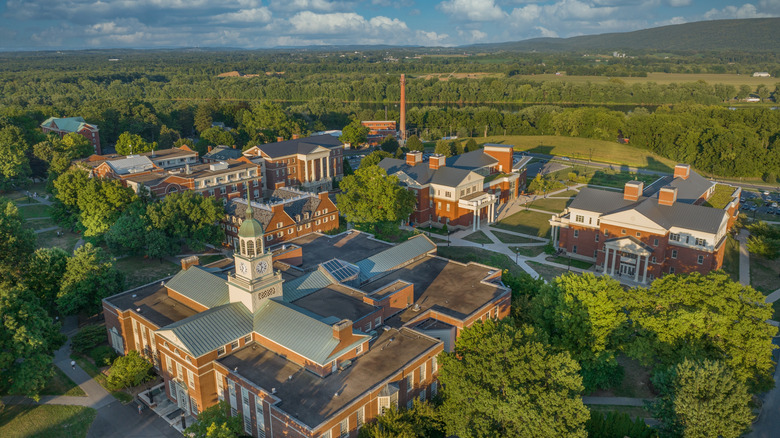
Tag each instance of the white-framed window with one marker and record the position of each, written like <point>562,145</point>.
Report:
<point>361,417</point>
<point>234,345</point>
<point>279,224</point>
<point>701,242</point>
<point>574,249</point>
<point>168,364</point>
<point>191,379</point>
<point>247,339</point>
<point>179,372</point>
<point>422,395</point>
<point>700,259</point>
<point>579,218</point>
<point>434,388</point>
<point>290,231</point>
<point>308,225</point>
<point>232,397</point>
<point>172,389</point>
<point>422,372</point>
<point>280,234</point>
<point>193,405</point>
<point>247,412</point>
<point>269,237</point>
<point>325,434</point>
<point>410,382</point>
<point>674,236</point>
<point>576,233</point>
<point>344,428</point>
<point>638,234</point>
<point>220,386</point>
<point>654,260</point>
<point>671,270</point>
<point>378,321</point>
<point>260,417</point>
<point>222,190</point>
<point>383,403</point>
<point>597,237</point>
<point>674,253</point>
<point>655,242</point>
<point>359,348</point>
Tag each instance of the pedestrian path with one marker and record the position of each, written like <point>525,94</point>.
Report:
<point>615,401</point>
<point>43,230</point>
<point>744,257</point>
<point>774,296</point>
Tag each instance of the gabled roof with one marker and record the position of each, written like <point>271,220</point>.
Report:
<point>305,284</point>
<point>394,257</point>
<point>200,286</point>
<point>682,215</point>
<point>299,146</point>
<point>223,153</point>
<point>206,331</point>
<point>471,160</point>
<point>421,174</point>
<point>599,201</point>
<point>69,124</point>
<point>297,330</point>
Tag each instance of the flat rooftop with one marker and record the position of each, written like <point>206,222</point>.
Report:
<point>310,398</point>
<point>350,247</point>
<point>453,288</point>
<point>155,304</point>
<point>335,300</point>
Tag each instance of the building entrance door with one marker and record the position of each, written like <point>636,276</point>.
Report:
<point>182,398</point>
<point>626,269</point>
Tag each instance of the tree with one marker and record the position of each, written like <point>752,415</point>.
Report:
<point>446,148</point>
<point>524,289</point>
<point>764,240</point>
<point>371,196</point>
<point>471,145</point>
<point>217,136</point>
<point>617,425</point>
<point>14,165</point>
<point>763,92</point>
<point>422,421</point>
<point>128,234</point>
<point>347,168</point>
<point>374,158</point>
<point>88,278</point>
<point>128,371</point>
<point>216,421</point>
<point>703,317</point>
<point>700,400</point>
<point>502,381</point>
<point>583,314</point>
<point>355,134</point>
<point>76,146</point>
<point>159,245</point>
<point>267,121</point>
<point>28,340</point>
<point>188,217</point>
<point>100,203</point>
<point>167,137</point>
<point>16,242</point>
<point>129,144</point>
<point>43,274</point>
<point>203,117</point>
<point>413,143</point>
<point>389,144</point>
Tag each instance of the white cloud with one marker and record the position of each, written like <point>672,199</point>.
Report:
<point>472,10</point>
<point>309,5</point>
<point>679,3</point>
<point>431,38</point>
<point>546,32</point>
<point>770,6</point>
<point>255,15</point>
<point>745,11</point>
<point>578,10</point>
<point>527,13</point>
<point>308,22</point>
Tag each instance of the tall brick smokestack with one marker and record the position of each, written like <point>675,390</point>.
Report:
<point>403,107</point>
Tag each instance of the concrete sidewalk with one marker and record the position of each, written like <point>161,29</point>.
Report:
<point>616,401</point>
<point>744,257</point>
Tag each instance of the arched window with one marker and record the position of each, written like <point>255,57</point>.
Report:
<point>259,245</point>
<point>250,248</point>
<point>243,247</point>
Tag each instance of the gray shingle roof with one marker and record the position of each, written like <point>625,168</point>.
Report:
<point>691,189</point>
<point>200,286</point>
<point>206,331</point>
<point>599,201</point>
<point>394,257</point>
<point>295,329</point>
<point>305,285</point>
<point>682,215</point>
<point>422,174</point>
<point>299,146</point>
<point>471,160</point>
<point>224,153</point>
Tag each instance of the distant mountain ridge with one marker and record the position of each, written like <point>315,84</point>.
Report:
<point>749,34</point>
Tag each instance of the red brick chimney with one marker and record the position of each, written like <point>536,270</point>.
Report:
<point>667,195</point>
<point>403,107</point>
<point>633,190</point>
<point>296,136</point>
<point>279,139</point>
<point>342,330</point>
<point>682,171</point>
<point>209,149</point>
<point>437,161</point>
<point>187,262</point>
<point>413,158</point>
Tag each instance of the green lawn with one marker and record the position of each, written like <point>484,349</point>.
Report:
<point>205,260</point>
<point>90,368</point>
<point>465,254</point>
<point>632,411</point>
<point>528,251</point>
<point>39,224</point>
<point>526,222</point>
<point>433,230</point>
<point>61,384</point>
<point>635,383</point>
<point>45,421</point>
<point>139,270</point>
<point>552,205</point>
<point>570,262</point>
<point>547,272</point>
<point>478,237</point>
<point>764,274</point>
<point>511,238</point>
<point>584,149</point>
<point>66,240</point>
<point>731,258</point>
<point>39,210</point>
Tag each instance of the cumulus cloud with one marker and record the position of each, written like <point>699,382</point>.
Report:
<point>472,10</point>
<point>546,32</point>
<point>308,22</point>
<point>745,11</point>
<point>310,5</point>
<point>255,15</point>
<point>679,3</point>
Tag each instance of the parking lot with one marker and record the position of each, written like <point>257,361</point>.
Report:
<point>765,203</point>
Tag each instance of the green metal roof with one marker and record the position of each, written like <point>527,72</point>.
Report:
<point>206,331</point>
<point>70,124</point>
<point>305,285</point>
<point>291,327</point>
<point>200,286</point>
<point>394,257</point>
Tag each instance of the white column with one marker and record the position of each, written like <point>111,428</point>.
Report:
<point>305,171</point>
<point>327,165</point>
<point>614,261</point>
<point>606,258</point>
<point>474,221</point>
<point>636,270</point>
<point>644,274</point>
<point>322,171</point>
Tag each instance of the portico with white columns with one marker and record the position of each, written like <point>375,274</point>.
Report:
<point>628,257</point>
<point>477,202</point>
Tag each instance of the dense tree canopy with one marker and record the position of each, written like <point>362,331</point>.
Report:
<point>16,242</point>
<point>370,195</point>
<point>374,158</point>
<point>355,134</point>
<point>422,421</point>
<point>216,422</point>
<point>128,144</point>
<point>43,275</point>
<point>89,277</point>
<point>187,217</point>
<point>501,380</point>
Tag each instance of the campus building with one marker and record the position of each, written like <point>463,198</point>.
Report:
<point>378,130</point>
<point>312,339</point>
<point>66,125</point>
<point>310,163</point>
<point>288,214</point>
<point>646,232</point>
<point>461,191</point>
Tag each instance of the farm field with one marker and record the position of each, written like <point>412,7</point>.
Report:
<point>659,78</point>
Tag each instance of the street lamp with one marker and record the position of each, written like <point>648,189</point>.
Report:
<point>517,256</point>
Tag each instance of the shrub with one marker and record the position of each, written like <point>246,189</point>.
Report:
<point>130,370</point>
<point>616,425</point>
<point>102,355</point>
<point>88,338</point>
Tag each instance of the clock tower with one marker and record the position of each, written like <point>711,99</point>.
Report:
<point>254,280</point>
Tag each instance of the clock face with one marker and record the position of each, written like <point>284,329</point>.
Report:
<point>243,268</point>
<point>261,267</point>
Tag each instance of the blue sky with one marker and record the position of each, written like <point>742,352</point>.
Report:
<point>79,24</point>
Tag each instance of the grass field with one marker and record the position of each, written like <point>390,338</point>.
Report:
<point>61,384</point>
<point>94,371</point>
<point>547,272</point>
<point>731,258</point>
<point>139,270</point>
<point>38,210</point>
<point>465,254</point>
<point>526,222</point>
<point>511,238</point>
<point>570,262</point>
<point>659,78</point>
<point>552,205</point>
<point>205,260</point>
<point>528,251</point>
<point>66,240</point>
<point>45,421</point>
<point>478,237</point>
<point>764,274</point>
<point>635,384</point>
<point>632,411</point>
<point>581,148</point>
